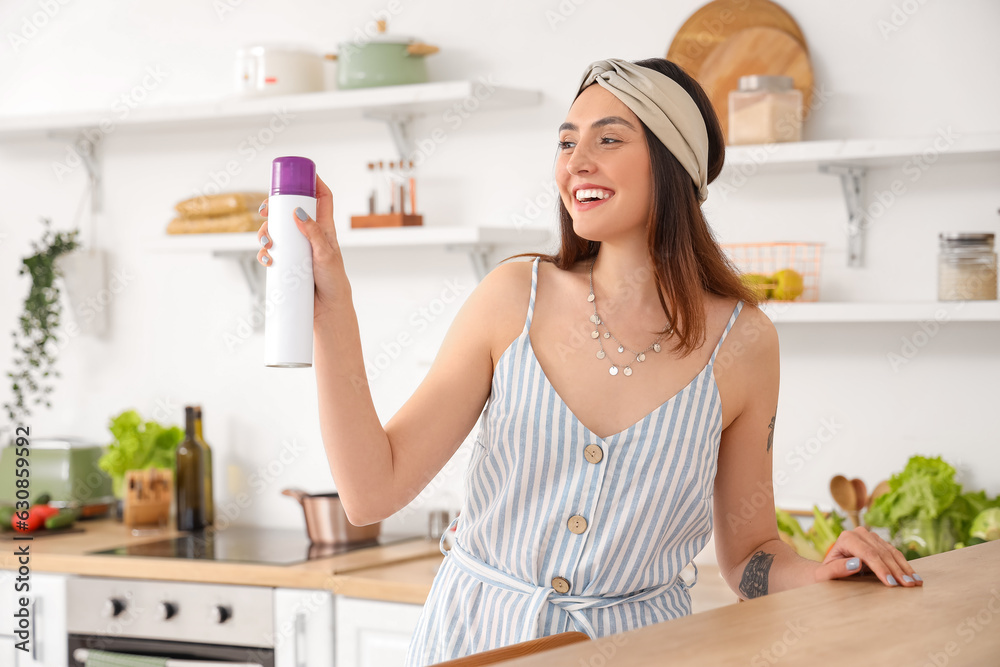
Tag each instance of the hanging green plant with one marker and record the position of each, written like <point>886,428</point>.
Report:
<point>35,339</point>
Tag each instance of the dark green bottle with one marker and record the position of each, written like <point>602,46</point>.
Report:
<point>209,494</point>
<point>189,477</point>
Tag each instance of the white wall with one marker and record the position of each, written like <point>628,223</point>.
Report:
<point>168,345</point>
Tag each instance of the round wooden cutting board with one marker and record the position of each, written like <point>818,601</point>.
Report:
<point>717,21</point>
<point>754,51</point>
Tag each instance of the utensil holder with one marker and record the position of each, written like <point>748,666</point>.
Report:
<point>149,495</point>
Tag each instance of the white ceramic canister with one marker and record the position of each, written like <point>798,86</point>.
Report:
<point>278,70</point>
<point>289,290</point>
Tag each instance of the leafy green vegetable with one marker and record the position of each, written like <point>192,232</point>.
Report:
<point>814,543</point>
<point>925,509</point>
<point>986,526</point>
<point>796,538</point>
<point>924,489</point>
<point>138,446</point>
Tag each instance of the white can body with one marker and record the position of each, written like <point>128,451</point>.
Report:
<point>289,291</point>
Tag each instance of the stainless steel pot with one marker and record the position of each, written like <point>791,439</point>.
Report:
<point>326,521</point>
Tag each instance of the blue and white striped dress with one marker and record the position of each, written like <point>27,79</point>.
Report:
<point>640,504</point>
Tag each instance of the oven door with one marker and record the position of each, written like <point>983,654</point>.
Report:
<point>181,654</point>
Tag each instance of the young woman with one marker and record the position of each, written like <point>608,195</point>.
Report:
<point>630,386</point>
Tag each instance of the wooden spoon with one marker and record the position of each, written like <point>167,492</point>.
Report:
<point>860,494</point>
<point>843,493</point>
<point>880,489</point>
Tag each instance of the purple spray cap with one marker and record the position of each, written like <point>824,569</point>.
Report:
<point>293,176</point>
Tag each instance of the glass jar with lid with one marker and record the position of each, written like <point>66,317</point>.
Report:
<point>967,267</point>
<point>765,110</point>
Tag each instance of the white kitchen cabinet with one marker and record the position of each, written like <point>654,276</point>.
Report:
<point>374,634</point>
<point>48,623</point>
<point>303,632</point>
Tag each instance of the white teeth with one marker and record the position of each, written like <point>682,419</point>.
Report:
<point>592,194</point>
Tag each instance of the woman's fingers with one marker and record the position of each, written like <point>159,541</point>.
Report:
<point>263,208</point>
<point>859,547</point>
<point>324,211</point>
<point>264,240</point>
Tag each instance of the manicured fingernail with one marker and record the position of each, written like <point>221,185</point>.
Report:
<point>262,205</point>
<point>907,578</point>
<point>301,214</point>
<point>854,564</point>
<point>264,240</point>
<point>891,580</point>
<point>265,260</point>
<point>917,577</point>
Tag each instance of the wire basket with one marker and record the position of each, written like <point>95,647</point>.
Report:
<point>765,266</point>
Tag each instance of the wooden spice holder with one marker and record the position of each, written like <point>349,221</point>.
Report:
<point>386,220</point>
<point>149,494</point>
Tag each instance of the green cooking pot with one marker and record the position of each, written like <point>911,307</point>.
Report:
<point>382,61</point>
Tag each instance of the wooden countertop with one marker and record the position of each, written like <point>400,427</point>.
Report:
<point>953,619</point>
<point>69,553</point>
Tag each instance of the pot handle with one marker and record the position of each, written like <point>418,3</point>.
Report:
<point>298,494</point>
<point>421,49</point>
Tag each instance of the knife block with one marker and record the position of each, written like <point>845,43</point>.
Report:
<point>149,494</point>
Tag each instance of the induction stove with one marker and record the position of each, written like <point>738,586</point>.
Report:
<point>243,544</point>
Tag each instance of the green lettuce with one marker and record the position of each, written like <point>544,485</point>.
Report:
<point>925,509</point>
<point>137,446</point>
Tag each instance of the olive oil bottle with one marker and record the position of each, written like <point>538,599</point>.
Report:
<point>209,494</point>
<point>189,477</point>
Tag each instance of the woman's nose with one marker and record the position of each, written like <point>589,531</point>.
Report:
<point>580,161</point>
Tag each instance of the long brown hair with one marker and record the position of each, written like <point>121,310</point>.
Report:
<point>687,259</point>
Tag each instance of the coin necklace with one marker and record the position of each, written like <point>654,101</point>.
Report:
<point>596,319</point>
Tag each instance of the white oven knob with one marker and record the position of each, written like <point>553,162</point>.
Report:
<point>221,614</point>
<point>113,607</point>
<point>167,610</point>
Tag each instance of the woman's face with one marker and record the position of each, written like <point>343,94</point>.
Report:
<point>603,153</point>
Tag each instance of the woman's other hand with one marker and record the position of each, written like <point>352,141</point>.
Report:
<point>329,276</point>
<point>859,548</point>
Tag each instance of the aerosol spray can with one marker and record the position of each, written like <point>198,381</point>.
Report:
<point>288,320</point>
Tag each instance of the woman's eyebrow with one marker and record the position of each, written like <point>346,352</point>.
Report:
<point>609,120</point>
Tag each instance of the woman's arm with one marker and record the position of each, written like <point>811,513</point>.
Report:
<point>379,470</point>
<point>753,559</point>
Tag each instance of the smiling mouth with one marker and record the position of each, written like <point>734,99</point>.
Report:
<point>589,195</point>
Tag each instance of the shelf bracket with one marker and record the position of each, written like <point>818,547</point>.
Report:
<point>399,130</point>
<point>256,278</point>
<point>92,163</point>
<point>479,255</point>
<point>852,182</point>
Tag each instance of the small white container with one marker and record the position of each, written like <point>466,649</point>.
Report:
<point>278,70</point>
<point>289,290</point>
<point>765,110</point>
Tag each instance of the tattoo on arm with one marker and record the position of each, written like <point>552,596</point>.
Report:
<point>770,436</point>
<point>754,583</point>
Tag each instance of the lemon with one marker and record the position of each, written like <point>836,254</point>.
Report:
<point>788,285</point>
<point>759,283</point>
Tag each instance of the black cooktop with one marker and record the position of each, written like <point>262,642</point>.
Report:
<point>272,546</point>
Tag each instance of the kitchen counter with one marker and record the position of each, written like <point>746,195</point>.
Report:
<point>69,553</point>
<point>954,619</point>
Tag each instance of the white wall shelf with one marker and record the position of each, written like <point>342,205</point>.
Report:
<point>916,311</point>
<point>850,159</point>
<point>477,242</point>
<point>395,105</point>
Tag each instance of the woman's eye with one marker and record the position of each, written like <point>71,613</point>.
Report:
<point>609,140</point>
<point>563,145</point>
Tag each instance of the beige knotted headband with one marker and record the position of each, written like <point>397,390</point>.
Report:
<point>666,109</point>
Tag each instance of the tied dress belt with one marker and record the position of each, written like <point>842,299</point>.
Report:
<point>540,595</point>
